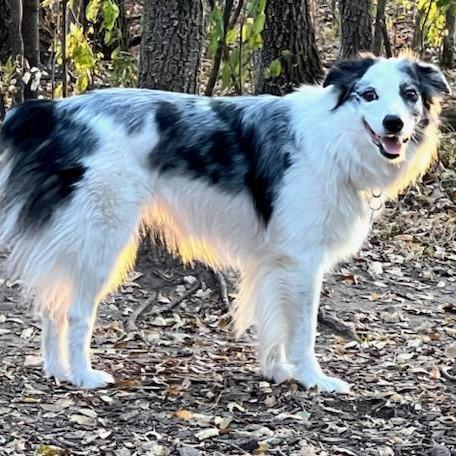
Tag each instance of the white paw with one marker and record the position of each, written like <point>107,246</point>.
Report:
<point>56,371</point>
<point>324,383</point>
<point>91,379</point>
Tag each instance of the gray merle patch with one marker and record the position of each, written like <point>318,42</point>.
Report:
<point>233,145</point>
<point>46,146</point>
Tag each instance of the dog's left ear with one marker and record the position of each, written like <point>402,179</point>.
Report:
<point>432,80</point>
<point>345,73</point>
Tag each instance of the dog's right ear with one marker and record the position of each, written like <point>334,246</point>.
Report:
<point>344,75</point>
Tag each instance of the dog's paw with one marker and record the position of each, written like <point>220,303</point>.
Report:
<point>282,372</point>
<point>57,372</point>
<point>92,379</point>
<point>325,383</point>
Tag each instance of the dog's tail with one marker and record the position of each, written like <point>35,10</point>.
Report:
<point>26,129</point>
<point>24,137</point>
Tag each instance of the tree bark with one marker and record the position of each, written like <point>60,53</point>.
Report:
<point>449,40</point>
<point>30,31</point>
<point>171,45</point>
<point>14,31</point>
<point>5,48</point>
<point>356,27</point>
<point>16,44</point>
<point>378,33</point>
<point>30,36</point>
<point>417,32</point>
<point>288,36</point>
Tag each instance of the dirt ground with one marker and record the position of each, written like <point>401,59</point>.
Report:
<point>185,386</point>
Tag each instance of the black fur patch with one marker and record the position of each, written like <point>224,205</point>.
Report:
<point>345,74</point>
<point>234,146</point>
<point>46,147</point>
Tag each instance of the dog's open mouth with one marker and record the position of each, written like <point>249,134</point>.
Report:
<point>390,146</point>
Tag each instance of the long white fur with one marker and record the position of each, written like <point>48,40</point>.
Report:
<point>322,215</point>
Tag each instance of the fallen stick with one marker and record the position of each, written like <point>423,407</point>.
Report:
<point>131,323</point>
<point>446,375</point>
<point>223,289</point>
<point>183,296</point>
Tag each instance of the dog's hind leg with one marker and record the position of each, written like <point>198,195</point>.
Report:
<point>261,301</point>
<point>53,345</point>
<point>99,276</point>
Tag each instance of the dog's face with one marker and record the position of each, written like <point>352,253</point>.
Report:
<point>392,98</point>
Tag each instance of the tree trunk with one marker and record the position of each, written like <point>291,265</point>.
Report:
<point>5,48</point>
<point>30,35</point>
<point>15,24</point>
<point>172,40</point>
<point>378,33</point>
<point>417,32</point>
<point>356,27</point>
<point>449,40</point>
<point>16,44</point>
<point>30,32</point>
<point>289,37</point>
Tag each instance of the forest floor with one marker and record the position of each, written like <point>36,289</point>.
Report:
<point>185,386</point>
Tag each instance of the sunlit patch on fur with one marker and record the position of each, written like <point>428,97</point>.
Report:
<point>123,265</point>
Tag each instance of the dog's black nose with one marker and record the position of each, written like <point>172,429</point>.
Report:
<point>393,124</point>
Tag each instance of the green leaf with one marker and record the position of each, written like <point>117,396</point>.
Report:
<point>110,14</point>
<point>226,76</point>
<point>92,10</point>
<point>58,91</point>
<point>247,29</point>
<point>261,6</point>
<point>275,68</point>
<point>82,82</point>
<point>258,25</point>
<point>47,3</point>
<point>9,67</point>
<point>235,60</point>
<point>216,30</point>
<point>115,54</point>
<point>231,37</point>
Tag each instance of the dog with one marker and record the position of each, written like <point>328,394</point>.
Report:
<point>279,188</point>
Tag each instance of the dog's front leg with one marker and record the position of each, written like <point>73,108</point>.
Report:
<point>304,299</point>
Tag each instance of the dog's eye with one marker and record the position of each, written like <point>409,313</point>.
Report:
<point>411,95</point>
<point>370,95</point>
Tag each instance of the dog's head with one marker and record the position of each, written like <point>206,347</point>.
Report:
<point>393,98</point>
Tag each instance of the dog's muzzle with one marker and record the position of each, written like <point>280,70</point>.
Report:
<point>390,146</point>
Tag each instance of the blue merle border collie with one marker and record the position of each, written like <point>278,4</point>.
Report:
<point>279,188</point>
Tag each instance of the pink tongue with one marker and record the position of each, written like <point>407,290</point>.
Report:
<point>392,145</point>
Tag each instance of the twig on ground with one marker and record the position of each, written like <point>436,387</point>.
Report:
<point>183,296</point>
<point>223,289</point>
<point>446,375</point>
<point>131,323</point>
<point>338,326</point>
<point>232,445</point>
